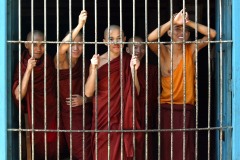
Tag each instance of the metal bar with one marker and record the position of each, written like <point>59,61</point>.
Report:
<point>109,85</point>
<point>196,77</point>
<point>32,78</point>
<point>20,80</point>
<point>70,76</point>
<point>83,89</point>
<point>45,79</point>
<point>221,81</point>
<point>134,107</point>
<point>121,83</point>
<point>58,83</point>
<point>184,82</point>
<point>209,81</point>
<point>171,63</point>
<point>54,42</point>
<point>146,73</point>
<point>149,130</point>
<point>96,83</point>
<point>159,83</point>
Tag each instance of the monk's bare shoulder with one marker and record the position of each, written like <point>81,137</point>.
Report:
<point>103,60</point>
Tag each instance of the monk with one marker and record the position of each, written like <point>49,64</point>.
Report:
<point>34,61</point>
<point>77,92</point>
<point>179,101</point>
<point>152,103</point>
<point>99,64</point>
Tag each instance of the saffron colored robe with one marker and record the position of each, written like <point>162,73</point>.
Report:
<point>178,109</point>
<point>77,112</point>
<point>51,113</point>
<point>115,112</point>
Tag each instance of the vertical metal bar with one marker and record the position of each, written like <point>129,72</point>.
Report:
<point>20,80</point>
<point>96,84</point>
<point>121,83</point>
<point>45,79</point>
<point>209,81</point>
<point>221,81</point>
<point>196,78</point>
<point>70,75</point>
<point>146,83</point>
<point>134,107</point>
<point>171,63</point>
<point>83,84</point>
<point>58,83</point>
<point>159,84</point>
<point>184,82</point>
<point>32,78</point>
<point>109,104</point>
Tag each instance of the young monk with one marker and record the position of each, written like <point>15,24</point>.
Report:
<point>177,35</point>
<point>34,61</point>
<point>99,64</point>
<point>77,90</point>
<point>139,50</point>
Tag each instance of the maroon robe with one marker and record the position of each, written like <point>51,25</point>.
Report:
<point>152,104</point>
<point>38,98</point>
<point>115,111</point>
<point>77,112</point>
<point>177,135</point>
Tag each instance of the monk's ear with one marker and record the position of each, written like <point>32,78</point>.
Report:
<point>27,45</point>
<point>105,42</point>
<point>127,50</point>
<point>124,39</point>
<point>169,33</point>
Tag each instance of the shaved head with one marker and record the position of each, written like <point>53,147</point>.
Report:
<point>136,39</point>
<point>111,27</point>
<point>35,33</point>
<point>138,48</point>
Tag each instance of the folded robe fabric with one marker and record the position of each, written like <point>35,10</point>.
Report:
<point>115,113</point>
<point>38,99</point>
<point>77,112</point>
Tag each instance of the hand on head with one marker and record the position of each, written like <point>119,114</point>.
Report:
<point>178,18</point>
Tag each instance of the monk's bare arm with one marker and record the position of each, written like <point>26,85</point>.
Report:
<point>203,30</point>
<point>135,63</point>
<point>90,83</point>
<point>25,79</point>
<point>65,46</point>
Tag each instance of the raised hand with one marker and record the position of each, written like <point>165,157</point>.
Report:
<point>178,19</point>
<point>31,64</point>
<point>82,18</point>
<point>134,63</point>
<point>95,60</point>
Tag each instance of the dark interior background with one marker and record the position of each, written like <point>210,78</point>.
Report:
<point>127,14</point>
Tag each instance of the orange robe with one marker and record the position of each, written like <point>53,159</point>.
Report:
<point>77,112</point>
<point>178,110</point>
<point>38,98</point>
<point>115,112</point>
